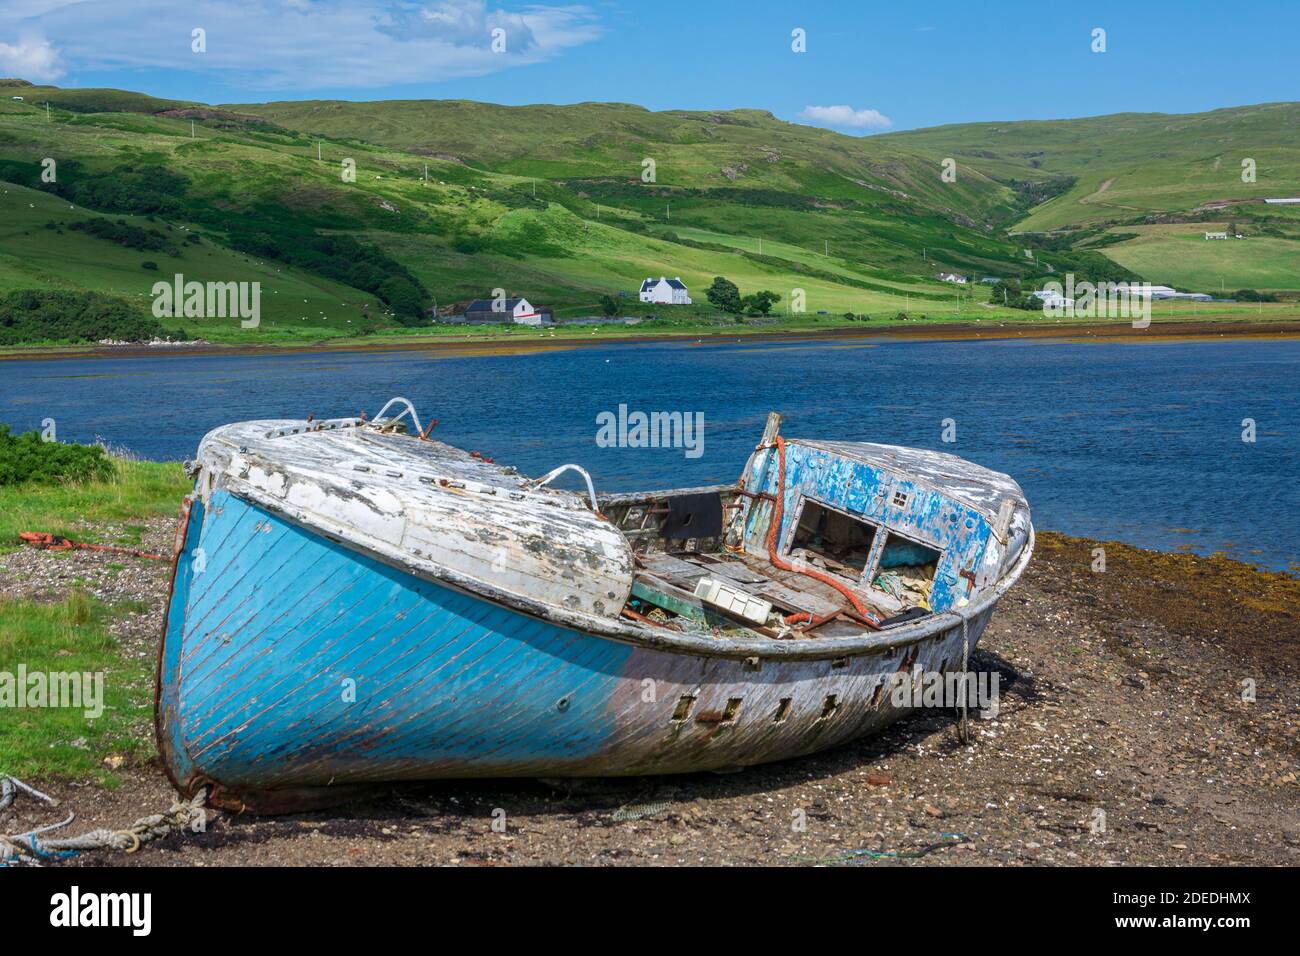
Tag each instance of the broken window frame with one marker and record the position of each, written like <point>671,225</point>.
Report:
<point>880,537</point>
<point>788,541</point>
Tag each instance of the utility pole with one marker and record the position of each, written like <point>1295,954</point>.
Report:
<point>826,247</point>
<point>318,151</point>
<point>191,129</point>
<point>47,112</point>
<point>668,207</point>
<point>760,245</point>
<point>426,172</point>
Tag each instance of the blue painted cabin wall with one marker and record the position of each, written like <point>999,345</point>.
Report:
<point>957,530</point>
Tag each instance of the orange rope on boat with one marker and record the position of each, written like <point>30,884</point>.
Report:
<point>778,506</point>
<point>53,542</point>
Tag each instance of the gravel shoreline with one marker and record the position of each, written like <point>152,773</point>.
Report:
<point>1122,739</point>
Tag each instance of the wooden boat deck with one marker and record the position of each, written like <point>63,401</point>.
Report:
<point>675,576</point>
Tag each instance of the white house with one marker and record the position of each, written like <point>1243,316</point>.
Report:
<point>1216,235</point>
<point>665,291</point>
<point>519,311</point>
<point>952,277</point>
<point>1053,299</point>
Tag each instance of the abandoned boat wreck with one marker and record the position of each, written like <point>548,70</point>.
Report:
<point>353,602</point>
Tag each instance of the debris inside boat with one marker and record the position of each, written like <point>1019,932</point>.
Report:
<point>354,602</point>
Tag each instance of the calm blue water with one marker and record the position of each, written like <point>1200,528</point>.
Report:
<point>1140,443</point>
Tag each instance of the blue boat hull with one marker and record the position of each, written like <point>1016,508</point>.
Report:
<point>291,662</point>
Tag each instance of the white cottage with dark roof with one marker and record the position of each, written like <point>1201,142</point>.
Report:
<point>665,291</point>
<point>519,311</point>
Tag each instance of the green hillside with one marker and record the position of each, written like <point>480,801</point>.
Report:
<point>743,170</point>
<point>40,249</point>
<point>452,199</point>
<point>1186,259</point>
<point>1129,164</point>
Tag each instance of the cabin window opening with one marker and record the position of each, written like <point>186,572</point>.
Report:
<point>732,710</point>
<point>832,540</point>
<point>829,706</point>
<point>900,499</point>
<point>905,574</point>
<point>783,710</point>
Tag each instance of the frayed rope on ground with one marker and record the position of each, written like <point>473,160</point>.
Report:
<point>32,848</point>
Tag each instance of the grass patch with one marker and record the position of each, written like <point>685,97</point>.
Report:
<point>133,490</point>
<point>29,459</point>
<point>1180,255</point>
<point>71,637</point>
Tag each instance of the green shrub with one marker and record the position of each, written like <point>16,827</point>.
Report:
<point>27,458</point>
<point>29,315</point>
<point>1253,295</point>
<point>124,234</point>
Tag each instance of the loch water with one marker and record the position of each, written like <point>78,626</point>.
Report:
<point>1137,442</point>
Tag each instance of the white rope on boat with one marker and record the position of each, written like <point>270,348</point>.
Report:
<point>32,848</point>
<point>964,733</point>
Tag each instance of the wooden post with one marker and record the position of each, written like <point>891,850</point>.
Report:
<point>773,426</point>
<point>735,533</point>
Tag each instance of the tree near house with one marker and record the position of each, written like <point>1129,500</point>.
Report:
<point>610,307</point>
<point>760,303</point>
<point>403,297</point>
<point>724,294</point>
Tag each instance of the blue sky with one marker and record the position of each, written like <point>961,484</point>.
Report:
<point>868,66</point>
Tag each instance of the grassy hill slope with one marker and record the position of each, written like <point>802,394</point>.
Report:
<point>452,199</point>
<point>1128,164</point>
<point>1181,253</point>
<point>40,249</point>
<point>463,231</point>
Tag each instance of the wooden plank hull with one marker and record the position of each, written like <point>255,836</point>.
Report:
<point>291,661</point>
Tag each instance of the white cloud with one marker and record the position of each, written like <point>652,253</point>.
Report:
<point>300,44</point>
<point>845,117</point>
<point>31,58</point>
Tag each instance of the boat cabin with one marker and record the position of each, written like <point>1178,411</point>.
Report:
<point>866,536</point>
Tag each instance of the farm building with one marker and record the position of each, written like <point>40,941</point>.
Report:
<point>519,311</point>
<point>1216,235</point>
<point>952,277</point>
<point>665,291</point>
<point>1052,299</point>
<point>1161,292</point>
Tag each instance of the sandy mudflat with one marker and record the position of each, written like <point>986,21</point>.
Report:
<point>525,342</point>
